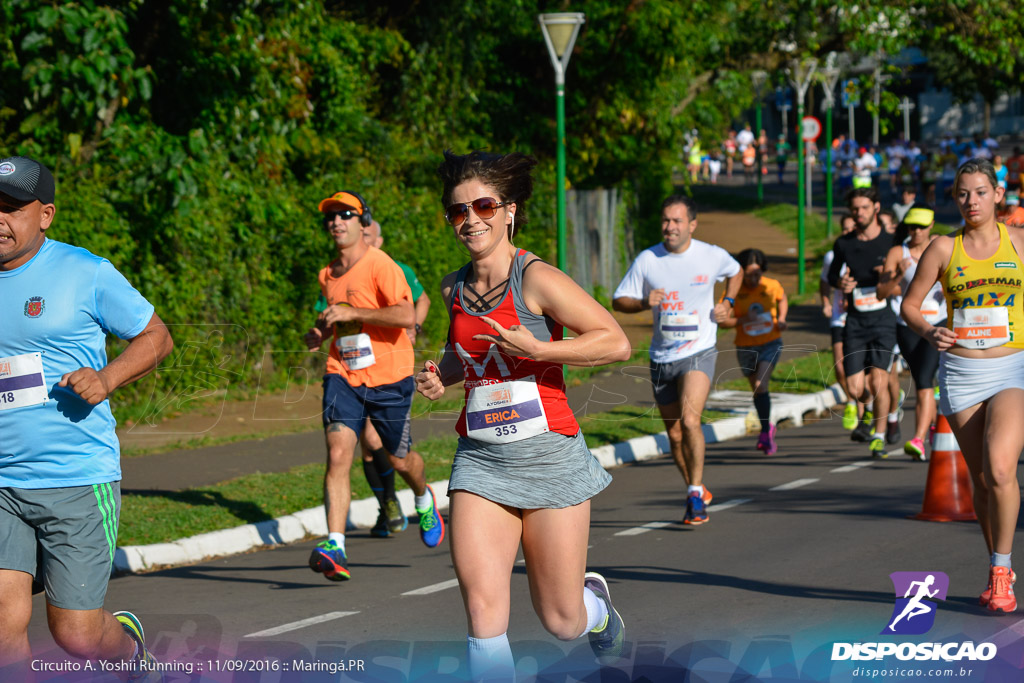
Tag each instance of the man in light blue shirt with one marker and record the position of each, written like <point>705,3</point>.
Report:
<point>59,456</point>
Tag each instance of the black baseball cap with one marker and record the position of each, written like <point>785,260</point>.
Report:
<point>26,179</point>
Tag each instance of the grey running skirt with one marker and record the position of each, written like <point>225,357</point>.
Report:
<point>549,470</point>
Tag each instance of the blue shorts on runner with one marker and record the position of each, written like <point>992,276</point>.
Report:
<point>388,407</point>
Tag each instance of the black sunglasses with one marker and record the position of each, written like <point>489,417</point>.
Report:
<point>329,216</point>
<point>485,207</point>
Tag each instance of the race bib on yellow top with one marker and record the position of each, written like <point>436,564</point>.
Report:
<point>21,381</point>
<point>981,328</point>
<point>356,351</point>
<point>865,299</point>
<point>679,326</point>
<point>761,324</point>
<point>505,412</point>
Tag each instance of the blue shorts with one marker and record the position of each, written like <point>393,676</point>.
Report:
<point>388,406</point>
<point>750,357</point>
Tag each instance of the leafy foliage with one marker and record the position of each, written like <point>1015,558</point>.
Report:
<point>192,139</point>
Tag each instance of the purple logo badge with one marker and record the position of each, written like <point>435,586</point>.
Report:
<point>914,612</point>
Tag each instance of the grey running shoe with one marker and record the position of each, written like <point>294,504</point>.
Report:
<point>606,640</point>
<point>397,521</point>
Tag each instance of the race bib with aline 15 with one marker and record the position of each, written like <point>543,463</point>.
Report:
<point>865,299</point>
<point>505,412</point>
<point>679,326</point>
<point>356,351</point>
<point>761,324</point>
<point>981,328</point>
<point>21,381</point>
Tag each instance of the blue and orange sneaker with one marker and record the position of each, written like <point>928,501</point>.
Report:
<point>431,522</point>
<point>329,559</point>
<point>696,510</point>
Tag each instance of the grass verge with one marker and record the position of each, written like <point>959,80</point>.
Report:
<point>160,517</point>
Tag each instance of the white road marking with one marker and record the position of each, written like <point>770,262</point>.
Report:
<point>852,467</point>
<point>637,530</point>
<point>718,507</point>
<point>295,625</point>
<point>793,484</point>
<point>427,590</point>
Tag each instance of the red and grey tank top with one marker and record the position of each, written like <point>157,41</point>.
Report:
<point>508,398</point>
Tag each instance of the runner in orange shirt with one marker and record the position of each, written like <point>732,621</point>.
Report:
<point>759,318</point>
<point>369,373</point>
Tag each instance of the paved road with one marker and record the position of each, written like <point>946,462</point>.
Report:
<point>797,555</point>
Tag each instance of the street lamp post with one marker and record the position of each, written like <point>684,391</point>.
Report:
<point>800,73</point>
<point>759,78</point>
<point>829,78</point>
<point>560,31</point>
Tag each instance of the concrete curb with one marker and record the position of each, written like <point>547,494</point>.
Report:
<point>363,513</point>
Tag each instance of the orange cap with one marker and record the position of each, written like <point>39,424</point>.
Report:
<point>339,199</point>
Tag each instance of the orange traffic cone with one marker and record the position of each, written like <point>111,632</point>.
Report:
<point>947,493</point>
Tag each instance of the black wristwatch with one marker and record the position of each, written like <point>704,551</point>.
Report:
<point>419,328</point>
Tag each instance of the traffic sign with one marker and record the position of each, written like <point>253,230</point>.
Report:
<point>810,128</point>
<point>851,92</point>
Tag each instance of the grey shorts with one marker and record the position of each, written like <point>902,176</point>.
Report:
<point>750,357</point>
<point>546,471</point>
<point>64,537</point>
<point>666,376</point>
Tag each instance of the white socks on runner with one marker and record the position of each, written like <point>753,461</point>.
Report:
<point>894,417</point>
<point>422,502</point>
<point>490,659</point>
<point>597,611</point>
<point>698,489</point>
<point>338,538</point>
<point>1001,560</point>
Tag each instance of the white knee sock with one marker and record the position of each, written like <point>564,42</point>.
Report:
<point>597,611</point>
<point>490,659</point>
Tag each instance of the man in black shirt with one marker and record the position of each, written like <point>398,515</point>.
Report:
<point>870,333</point>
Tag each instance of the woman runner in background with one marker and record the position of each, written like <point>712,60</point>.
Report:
<point>759,317</point>
<point>913,237</point>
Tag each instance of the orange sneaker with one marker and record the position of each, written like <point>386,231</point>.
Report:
<point>707,495</point>
<point>998,596</point>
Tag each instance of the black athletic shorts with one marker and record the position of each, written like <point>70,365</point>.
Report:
<point>868,341</point>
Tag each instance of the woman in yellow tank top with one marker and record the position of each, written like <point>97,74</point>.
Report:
<point>981,372</point>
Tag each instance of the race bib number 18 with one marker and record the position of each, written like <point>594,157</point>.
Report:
<point>21,381</point>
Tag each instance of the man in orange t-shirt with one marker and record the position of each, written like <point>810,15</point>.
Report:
<point>369,373</point>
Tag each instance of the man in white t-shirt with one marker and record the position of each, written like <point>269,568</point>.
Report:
<point>745,137</point>
<point>676,278</point>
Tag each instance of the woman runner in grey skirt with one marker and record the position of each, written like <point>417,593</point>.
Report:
<point>522,472</point>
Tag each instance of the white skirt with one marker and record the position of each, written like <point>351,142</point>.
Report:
<point>965,382</point>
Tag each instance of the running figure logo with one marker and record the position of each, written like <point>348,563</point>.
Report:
<point>914,613</point>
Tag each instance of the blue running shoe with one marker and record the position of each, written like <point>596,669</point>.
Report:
<point>696,510</point>
<point>606,639</point>
<point>329,559</point>
<point>431,522</point>
<point>144,664</point>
